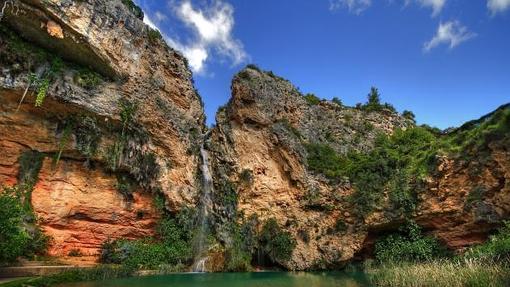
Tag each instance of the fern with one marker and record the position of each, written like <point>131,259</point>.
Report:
<point>41,92</point>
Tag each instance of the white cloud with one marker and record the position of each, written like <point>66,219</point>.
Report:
<point>212,28</point>
<point>354,6</point>
<point>436,5</point>
<point>211,32</point>
<point>451,33</point>
<point>496,6</point>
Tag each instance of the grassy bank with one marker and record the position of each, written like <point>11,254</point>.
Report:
<point>102,272</point>
<point>451,273</point>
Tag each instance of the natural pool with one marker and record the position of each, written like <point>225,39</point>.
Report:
<point>256,279</point>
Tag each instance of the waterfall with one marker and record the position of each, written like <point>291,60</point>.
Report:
<point>205,204</point>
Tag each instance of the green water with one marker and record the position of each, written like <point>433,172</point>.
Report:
<point>258,279</point>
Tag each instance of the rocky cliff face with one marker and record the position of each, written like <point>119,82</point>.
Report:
<point>98,115</point>
<point>115,110</point>
<point>261,143</point>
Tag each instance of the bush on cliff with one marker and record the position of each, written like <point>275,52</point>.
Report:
<point>312,99</point>
<point>170,246</point>
<point>374,102</point>
<point>275,242</point>
<point>496,248</point>
<point>13,238</point>
<point>408,245</point>
<point>397,164</point>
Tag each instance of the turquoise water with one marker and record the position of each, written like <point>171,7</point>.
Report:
<point>258,279</point>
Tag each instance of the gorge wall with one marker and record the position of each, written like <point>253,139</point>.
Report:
<point>122,123</point>
<point>121,105</point>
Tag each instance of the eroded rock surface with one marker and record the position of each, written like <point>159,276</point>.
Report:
<point>141,119</point>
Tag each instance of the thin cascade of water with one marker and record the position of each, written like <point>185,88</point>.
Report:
<point>200,240</point>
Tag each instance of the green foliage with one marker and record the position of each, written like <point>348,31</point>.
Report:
<point>323,159</point>
<point>100,272</point>
<point>30,163</point>
<point>13,238</point>
<point>87,78</point>
<point>312,99</point>
<point>227,195</point>
<point>171,246</point>
<point>337,101</point>
<point>133,8</point>
<point>275,242</point>
<point>41,92</point>
<point>409,115</point>
<point>43,83</point>
<point>239,253</point>
<point>497,248</point>
<point>398,164</point>
<point>154,35</point>
<point>472,273</point>
<point>474,137</point>
<point>127,113</point>
<point>408,245</point>
<point>374,102</point>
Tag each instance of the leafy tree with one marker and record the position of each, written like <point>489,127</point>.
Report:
<point>312,99</point>
<point>13,237</point>
<point>409,115</point>
<point>337,101</point>
<point>374,98</point>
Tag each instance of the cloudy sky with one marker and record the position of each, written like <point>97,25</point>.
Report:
<point>446,60</point>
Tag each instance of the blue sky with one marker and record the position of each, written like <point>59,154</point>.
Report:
<point>448,61</point>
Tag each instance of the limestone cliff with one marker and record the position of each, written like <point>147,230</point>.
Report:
<point>115,109</point>
<point>98,116</point>
<point>263,132</point>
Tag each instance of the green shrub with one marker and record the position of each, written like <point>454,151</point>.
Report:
<point>276,243</point>
<point>398,163</point>
<point>87,78</point>
<point>13,238</point>
<point>133,8</point>
<point>374,102</point>
<point>496,248</point>
<point>324,159</point>
<point>409,115</point>
<point>238,258</point>
<point>408,245</point>
<point>244,245</point>
<point>312,99</point>
<point>337,101</point>
<point>154,35</point>
<point>171,245</point>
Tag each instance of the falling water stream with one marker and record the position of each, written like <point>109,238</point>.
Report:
<point>205,204</point>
